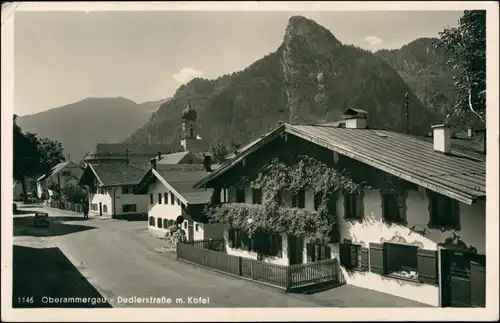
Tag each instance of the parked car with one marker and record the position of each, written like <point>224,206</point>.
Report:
<point>41,219</point>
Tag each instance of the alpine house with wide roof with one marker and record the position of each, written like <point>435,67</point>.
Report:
<point>111,189</point>
<point>415,229</point>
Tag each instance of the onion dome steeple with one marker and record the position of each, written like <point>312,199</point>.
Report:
<point>189,113</point>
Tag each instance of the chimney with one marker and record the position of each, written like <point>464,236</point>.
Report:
<point>126,156</point>
<point>441,135</point>
<point>207,162</point>
<point>159,155</point>
<point>355,118</point>
<point>153,163</point>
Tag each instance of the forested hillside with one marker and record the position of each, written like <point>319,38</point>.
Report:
<point>312,77</point>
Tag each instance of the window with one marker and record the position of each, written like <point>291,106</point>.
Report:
<point>101,190</point>
<point>350,256</point>
<point>263,243</point>
<point>165,223</point>
<point>178,201</point>
<point>129,208</point>
<point>393,208</point>
<point>92,189</point>
<point>299,199</point>
<point>159,223</point>
<point>172,197</point>
<point>151,221</point>
<point>197,227</point>
<point>165,198</point>
<point>269,244</point>
<point>151,198</point>
<point>240,195</point>
<point>317,252</point>
<point>159,198</point>
<point>126,189</point>
<point>105,209</point>
<point>66,173</point>
<point>318,198</point>
<point>352,210</point>
<point>401,260</point>
<point>185,225</point>
<point>257,196</point>
<point>443,212</point>
<point>224,196</point>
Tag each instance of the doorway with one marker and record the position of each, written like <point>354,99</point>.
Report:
<point>463,279</point>
<point>295,250</point>
<point>100,208</point>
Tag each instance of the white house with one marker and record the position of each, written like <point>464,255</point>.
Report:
<point>424,241</point>
<point>111,189</point>
<point>60,176</point>
<point>171,195</point>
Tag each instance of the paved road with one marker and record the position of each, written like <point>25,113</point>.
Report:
<point>121,260</point>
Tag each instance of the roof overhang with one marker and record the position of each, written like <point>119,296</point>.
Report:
<point>170,187</point>
<point>411,177</point>
<point>86,171</point>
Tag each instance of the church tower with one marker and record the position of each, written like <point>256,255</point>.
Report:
<point>190,140</point>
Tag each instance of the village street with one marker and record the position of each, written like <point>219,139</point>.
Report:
<point>119,259</point>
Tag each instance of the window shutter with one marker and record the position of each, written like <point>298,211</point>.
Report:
<point>344,255</point>
<point>359,205</point>
<point>245,241</point>
<point>430,198</point>
<point>328,252</point>
<point>402,207</point>
<point>344,197</point>
<point>279,246</point>
<point>427,266</point>
<point>478,284</point>
<point>364,258</point>
<point>382,198</point>
<point>310,252</point>
<point>455,211</point>
<point>377,258</point>
<point>231,237</point>
<point>238,238</point>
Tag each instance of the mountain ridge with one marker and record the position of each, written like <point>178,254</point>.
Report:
<point>82,124</point>
<point>311,77</point>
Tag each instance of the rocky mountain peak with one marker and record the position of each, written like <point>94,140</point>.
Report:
<point>310,34</point>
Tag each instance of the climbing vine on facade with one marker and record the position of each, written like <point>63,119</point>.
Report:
<point>276,177</point>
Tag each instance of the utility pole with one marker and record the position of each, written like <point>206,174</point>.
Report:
<point>407,115</point>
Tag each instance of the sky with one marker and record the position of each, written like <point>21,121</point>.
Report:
<point>64,57</point>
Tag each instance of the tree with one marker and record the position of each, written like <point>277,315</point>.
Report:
<point>51,153</point>
<point>74,194</point>
<point>467,44</point>
<point>219,152</point>
<point>33,156</point>
<point>26,156</point>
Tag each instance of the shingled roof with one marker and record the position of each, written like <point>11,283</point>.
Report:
<point>56,169</point>
<point>115,174</point>
<point>118,150</point>
<point>180,179</point>
<point>457,175</point>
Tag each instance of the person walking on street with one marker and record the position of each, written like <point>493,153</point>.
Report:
<point>86,210</point>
